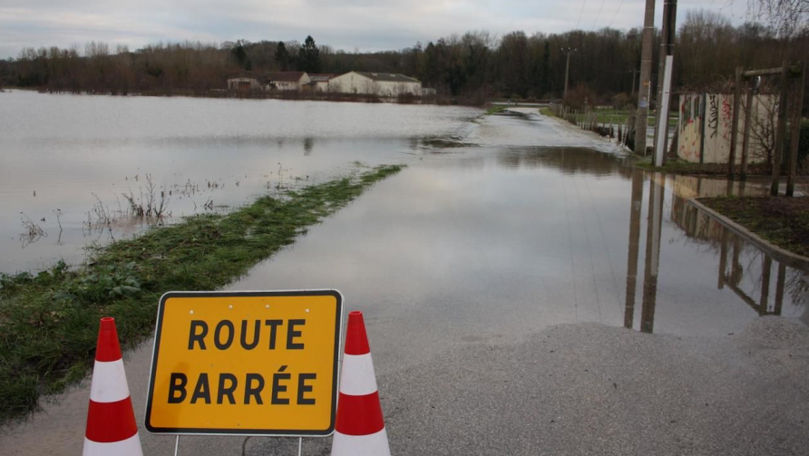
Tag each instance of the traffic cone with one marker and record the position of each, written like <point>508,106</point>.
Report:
<point>111,427</point>
<point>360,428</point>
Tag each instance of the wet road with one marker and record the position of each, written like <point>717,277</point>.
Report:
<point>533,295</point>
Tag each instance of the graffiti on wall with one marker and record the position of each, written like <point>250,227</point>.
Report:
<point>713,116</point>
<point>709,141</point>
<point>690,125</point>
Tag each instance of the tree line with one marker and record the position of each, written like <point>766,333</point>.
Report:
<point>470,68</point>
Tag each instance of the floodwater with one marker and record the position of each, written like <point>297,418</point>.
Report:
<point>470,263</point>
<point>500,240</point>
<point>68,162</point>
<point>499,225</point>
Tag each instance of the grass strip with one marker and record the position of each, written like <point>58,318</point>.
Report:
<point>781,220</point>
<point>495,109</point>
<point>49,321</point>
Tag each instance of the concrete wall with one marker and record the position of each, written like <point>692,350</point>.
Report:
<point>394,89</point>
<point>705,127</point>
<point>351,82</point>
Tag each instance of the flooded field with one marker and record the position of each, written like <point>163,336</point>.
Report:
<point>69,165</point>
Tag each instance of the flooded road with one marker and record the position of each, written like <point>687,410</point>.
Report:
<point>498,281</point>
<point>491,241</point>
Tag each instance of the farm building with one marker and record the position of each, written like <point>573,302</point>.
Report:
<point>287,80</point>
<point>319,82</point>
<point>379,84</point>
<point>243,84</point>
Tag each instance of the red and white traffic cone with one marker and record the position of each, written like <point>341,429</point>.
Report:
<point>111,427</point>
<point>360,428</point>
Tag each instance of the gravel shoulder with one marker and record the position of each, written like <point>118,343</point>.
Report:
<point>570,389</point>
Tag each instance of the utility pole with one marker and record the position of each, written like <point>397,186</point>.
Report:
<point>645,87</point>
<point>664,80</point>
<point>568,51</point>
<point>667,33</point>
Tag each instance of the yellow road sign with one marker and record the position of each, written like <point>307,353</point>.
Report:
<point>251,363</point>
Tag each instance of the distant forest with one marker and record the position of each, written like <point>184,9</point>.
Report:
<point>466,69</point>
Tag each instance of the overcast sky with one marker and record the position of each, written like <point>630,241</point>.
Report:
<point>363,25</point>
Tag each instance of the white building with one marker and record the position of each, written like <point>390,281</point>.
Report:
<point>379,84</point>
<point>319,82</point>
<point>287,81</point>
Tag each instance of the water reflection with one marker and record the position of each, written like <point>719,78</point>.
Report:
<point>506,241</point>
<point>569,160</point>
<point>744,267</point>
<point>634,241</point>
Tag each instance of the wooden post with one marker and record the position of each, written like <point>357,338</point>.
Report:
<point>747,127</point>
<point>734,126</point>
<point>794,138</point>
<point>780,133</point>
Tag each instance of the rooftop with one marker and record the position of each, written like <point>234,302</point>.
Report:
<point>285,76</point>
<point>392,77</point>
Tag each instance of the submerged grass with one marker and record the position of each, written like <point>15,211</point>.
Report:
<point>49,321</point>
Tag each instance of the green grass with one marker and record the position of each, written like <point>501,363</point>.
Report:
<point>620,116</point>
<point>49,320</point>
<point>495,109</point>
<point>617,116</point>
<point>614,116</point>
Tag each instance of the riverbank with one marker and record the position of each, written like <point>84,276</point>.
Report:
<point>49,320</point>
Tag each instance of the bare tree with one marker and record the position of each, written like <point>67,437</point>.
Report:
<point>762,128</point>
<point>787,17</point>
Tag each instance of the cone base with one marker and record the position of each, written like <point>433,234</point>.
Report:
<point>375,444</point>
<point>128,447</point>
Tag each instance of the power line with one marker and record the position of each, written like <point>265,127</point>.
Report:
<point>581,10</point>
<point>598,14</point>
<point>612,21</point>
